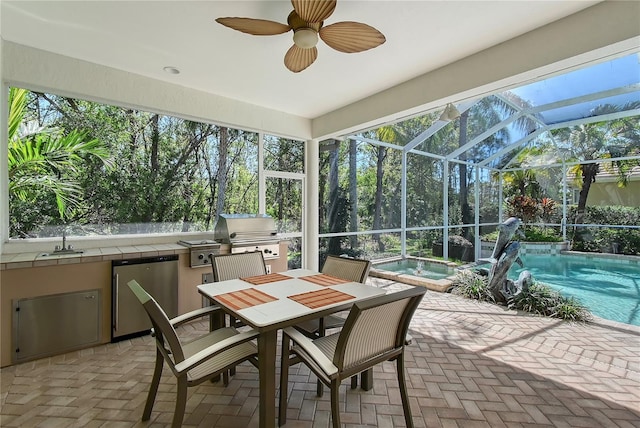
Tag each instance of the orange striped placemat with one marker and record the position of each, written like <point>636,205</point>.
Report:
<point>324,279</point>
<point>242,299</point>
<point>318,298</point>
<point>265,279</point>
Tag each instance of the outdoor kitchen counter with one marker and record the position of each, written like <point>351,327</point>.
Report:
<point>33,259</point>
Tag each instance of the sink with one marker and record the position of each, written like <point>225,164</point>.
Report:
<point>59,253</point>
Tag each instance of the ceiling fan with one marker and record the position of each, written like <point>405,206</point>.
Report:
<point>306,20</point>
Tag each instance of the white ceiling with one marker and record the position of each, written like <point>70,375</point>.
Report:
<point>142,37</point>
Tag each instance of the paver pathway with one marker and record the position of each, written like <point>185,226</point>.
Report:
<point>471,364</point>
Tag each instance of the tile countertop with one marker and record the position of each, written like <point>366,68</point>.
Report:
<point>27,260</point>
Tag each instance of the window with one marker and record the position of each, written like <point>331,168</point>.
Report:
<point>97,169</point>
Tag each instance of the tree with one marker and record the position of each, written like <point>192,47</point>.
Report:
<point>46,161</point>
<point>601,140</point>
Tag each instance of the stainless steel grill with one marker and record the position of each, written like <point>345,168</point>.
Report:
<point>248,232</point>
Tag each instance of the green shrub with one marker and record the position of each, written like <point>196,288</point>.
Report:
<point>531,234</point>
<point>472,285</point>
<point>539,234</point>
<point>538,299</point>
<point>541,299</point>
<point>608,240</point>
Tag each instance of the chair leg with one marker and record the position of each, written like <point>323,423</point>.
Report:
<point>366,379</point>
<point>321,332</point>
<point>232,323</point>
<point>153,388</point>
<point>181,402</point>
<point>335,408</point>
<point>284,381</point>
<point>403,391</point>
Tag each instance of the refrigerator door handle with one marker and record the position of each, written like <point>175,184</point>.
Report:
<point>116,313</point>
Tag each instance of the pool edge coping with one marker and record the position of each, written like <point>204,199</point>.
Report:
<point>440,285</point>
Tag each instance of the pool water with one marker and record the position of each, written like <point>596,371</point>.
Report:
<point>410,267</point>
<point>610,290</point>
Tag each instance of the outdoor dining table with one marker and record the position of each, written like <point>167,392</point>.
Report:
<point>274,301</point>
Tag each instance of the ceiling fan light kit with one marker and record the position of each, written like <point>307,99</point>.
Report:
<point>305,38</point>
<point>307,20</point>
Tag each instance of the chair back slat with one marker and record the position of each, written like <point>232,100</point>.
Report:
<point>376,327</point>
<point>165,334</point>
<point>241,265</point>
<point>356,270</point>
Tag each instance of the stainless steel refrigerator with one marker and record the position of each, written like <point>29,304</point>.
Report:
<point>158,276</point>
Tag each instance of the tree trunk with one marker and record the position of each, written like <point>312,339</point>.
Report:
<point>223,149</point>
<point>155,141</point>
<point>353,193</point>
<point>465,209</point>
<point>377,211</point>
<point>279,199</point>
<point>589,172</point>
<point>334,201</point>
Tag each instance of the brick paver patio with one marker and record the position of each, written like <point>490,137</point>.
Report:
<point>471,364</point>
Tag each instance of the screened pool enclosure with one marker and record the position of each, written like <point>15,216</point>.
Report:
<point>562,154</point>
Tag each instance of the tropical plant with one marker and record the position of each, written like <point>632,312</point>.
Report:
<point>523,207</point>
<point>537,299</point>
<point>469,284</point>
<point>46,161</point>
<point>541,299</point>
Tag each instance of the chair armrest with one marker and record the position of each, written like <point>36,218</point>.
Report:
<point>312,350</point>
<point>198,313</point>
<point>215,349</point>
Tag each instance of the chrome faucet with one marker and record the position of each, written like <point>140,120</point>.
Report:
<point>64,243</point>
<point>65,248</point>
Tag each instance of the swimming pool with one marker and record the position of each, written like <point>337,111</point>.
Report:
<point>608,288</point>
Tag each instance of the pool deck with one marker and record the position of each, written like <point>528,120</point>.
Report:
<point>471,364</point>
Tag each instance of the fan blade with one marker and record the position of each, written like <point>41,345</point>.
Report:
<point>314,10</point>
<point>257,27</point>
<point>297,59</point>
<point>351,37</point>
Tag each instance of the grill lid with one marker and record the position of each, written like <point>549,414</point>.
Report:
<point>199,243</point>
<point>244,228</point>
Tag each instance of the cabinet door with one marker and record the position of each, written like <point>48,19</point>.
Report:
<point>49,325</point>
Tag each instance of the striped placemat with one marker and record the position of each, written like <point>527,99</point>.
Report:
<point>324,279</point>
<point>242,299</point>
<point>265,279</point>
<point>318,298</point>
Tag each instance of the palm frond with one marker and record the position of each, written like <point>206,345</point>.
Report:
<point>17,106</point>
